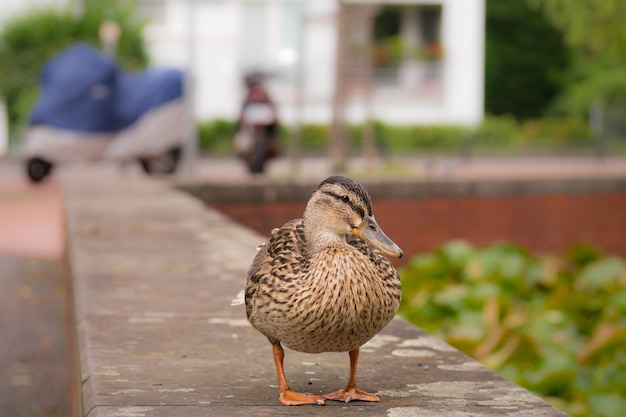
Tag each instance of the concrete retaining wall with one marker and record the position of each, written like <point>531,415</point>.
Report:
<point>154,272</point>
<point>542,215</point>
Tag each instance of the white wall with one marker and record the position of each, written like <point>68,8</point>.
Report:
<point>212,29</point>
<point>12,8</point>
<point>462,101</point>
<point>215,26</point>
<point>463,37</point>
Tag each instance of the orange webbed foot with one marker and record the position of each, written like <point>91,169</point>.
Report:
<point>289,397</point>
<point>351,394</point>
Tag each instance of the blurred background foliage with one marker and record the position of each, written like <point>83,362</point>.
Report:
<point>547,63</point>
<point>595,35</point>
<point>526,60</point>
<point>28,41</point>
<point>500,135</point>
<point>555,325</point>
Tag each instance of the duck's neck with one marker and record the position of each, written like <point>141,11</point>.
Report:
<point>319,237</point>
<point>325,240</point>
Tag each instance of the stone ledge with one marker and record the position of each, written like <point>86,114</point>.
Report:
<point>154,272</point>
<point>269,191</point>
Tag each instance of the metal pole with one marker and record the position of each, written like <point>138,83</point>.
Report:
<point>369,133</point>
<point>337,150</point>
<point>296,152</point>
<point>190,147</point>
<point>596,122</point>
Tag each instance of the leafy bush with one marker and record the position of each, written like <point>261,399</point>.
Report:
<point>526,60</point>
<point>555,131</point>
<point>216,135</point>
<point>555,325</point>
<point>28,41</point>
<point>495,135</point>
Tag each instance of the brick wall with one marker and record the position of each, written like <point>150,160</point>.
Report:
<point>543,222</point>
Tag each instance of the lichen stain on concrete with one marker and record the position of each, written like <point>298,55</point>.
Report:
<point>233,322</point>
<point>177,390</point>
<point>132,411</point>
<point>413,353</point>
<point>378,342</point>
<point>487,393</point>
<point>127,391</point>
<point>427,342</point>
<point>422,412</point>
<point>107,373</point>
<point>519,398</point>
<point>152,317</point>
<point>395,393</point>
<point>145,320</point>
<point>465,367</point>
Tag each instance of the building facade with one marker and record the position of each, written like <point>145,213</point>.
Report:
<point>403,61</point>
<point>425,57</point>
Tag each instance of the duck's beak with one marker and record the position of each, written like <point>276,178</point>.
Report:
<point>370,232</point>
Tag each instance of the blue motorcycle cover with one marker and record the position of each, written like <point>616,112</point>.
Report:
<point>84,91</point>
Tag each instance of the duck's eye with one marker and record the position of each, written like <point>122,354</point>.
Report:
<point>345,198</point>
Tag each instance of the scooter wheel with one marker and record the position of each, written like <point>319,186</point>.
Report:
<point>257,159</point>
<point>164,164</point>
<point>38,169</point>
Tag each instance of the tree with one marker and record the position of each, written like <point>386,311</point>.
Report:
<point>526,60</point>
<point>28,41</point>
<point>596,33</point>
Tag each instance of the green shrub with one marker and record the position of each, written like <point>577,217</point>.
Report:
<point>497,131</point>
<point>555,325</point>
<point>555,131</point>
<point>420,137</point>
<point>315,136</point>
<point>28,41</point>
<point>216,136</point>
<point>500,135</point>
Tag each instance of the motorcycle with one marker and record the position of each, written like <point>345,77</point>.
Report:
<point>89,109</point>
<point>255,139</point>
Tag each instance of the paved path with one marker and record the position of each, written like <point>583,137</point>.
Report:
<point>229,169</point>
<point>155,271</point>
<point>33,300</point>
<point>33,342</point>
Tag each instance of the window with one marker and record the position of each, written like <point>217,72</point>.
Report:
<point>407,49</point>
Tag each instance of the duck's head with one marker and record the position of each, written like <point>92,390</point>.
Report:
<point>341,206</point>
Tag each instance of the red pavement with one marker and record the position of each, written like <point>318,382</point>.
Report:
<point>31,219</point>
<point>34,304</point>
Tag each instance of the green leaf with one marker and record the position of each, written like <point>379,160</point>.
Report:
<point>457,253</point>
<point>608,405</point>
<point>601,274</point>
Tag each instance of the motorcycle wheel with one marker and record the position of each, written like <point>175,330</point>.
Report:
<point>38,169</point>
<point>164,164</point>
<point>258,156</point>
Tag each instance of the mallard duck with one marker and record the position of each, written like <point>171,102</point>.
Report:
<point>322,283</point>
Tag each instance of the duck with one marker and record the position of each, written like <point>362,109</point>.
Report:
<point>323,283</point>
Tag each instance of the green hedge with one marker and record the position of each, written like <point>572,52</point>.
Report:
<point>496,134</point>
<point>555,325</point>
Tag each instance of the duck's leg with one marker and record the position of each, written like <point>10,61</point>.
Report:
<point>351,392</point>
<point>287,396</point>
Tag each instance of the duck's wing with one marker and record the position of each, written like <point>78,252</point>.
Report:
<point>281,257</point>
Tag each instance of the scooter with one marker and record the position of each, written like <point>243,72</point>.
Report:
<point>90,110</point>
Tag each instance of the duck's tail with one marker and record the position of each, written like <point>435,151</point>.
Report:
<point>239,299</point>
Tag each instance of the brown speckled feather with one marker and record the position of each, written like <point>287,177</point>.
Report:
<point>335,299</point>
